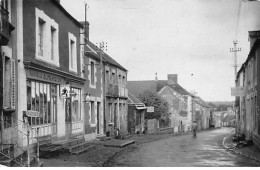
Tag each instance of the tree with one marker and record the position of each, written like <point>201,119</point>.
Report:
<point>150,98</point>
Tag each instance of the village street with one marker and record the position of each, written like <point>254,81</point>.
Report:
<point>185,151</point>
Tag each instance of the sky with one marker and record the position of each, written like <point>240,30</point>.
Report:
<point>191,38</point>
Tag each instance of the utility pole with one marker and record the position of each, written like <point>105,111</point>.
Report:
<point>235,50</point>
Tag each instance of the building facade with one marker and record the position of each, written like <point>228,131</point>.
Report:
<point>108,89</point>
<point>179,103</point>
<point>8,87</point>
<point>247,104</point>
<point>136,114</point>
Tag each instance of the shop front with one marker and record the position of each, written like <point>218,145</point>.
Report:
<point>56,95</point>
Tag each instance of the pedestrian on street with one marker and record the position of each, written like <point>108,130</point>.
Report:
<point>194,128</point>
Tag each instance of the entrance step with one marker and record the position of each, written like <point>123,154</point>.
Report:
<point>118,143</point>
<point>70,142</point>
<point>81,147</point>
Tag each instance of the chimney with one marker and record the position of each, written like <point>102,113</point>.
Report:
<point>253,36</point>
<point>172,79</point>
<point>86,26</point>
<point>156,78</point>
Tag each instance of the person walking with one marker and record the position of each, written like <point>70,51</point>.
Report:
<point>194,128</point>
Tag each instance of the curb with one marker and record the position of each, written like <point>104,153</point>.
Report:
<point>232,149</point>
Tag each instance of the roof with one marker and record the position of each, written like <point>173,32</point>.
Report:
<point>250,55</point>
<point>137,87</point>
<point>92,50</point>
<point>179,89</point>
<point>133,100</point>
<point>201,102</point>
<point>57,3</point>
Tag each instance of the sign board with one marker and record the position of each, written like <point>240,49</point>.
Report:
<point>238,91</point>
<point>31,113</point>
<point>150,109</point>
<point>64,90</point>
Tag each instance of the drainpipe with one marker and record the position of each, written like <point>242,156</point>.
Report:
<point>1,95</point>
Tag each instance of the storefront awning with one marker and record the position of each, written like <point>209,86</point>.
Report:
<point>141,107</point>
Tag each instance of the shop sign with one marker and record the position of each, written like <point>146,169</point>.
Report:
<point>64,91</point>
<point>238,91</point>
<point>31,113</point>
<point>150,109</point>
<point>43,76</point>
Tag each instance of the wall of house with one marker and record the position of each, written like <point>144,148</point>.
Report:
<point>65,25</point>
<point>96,93</point>
<point>116,97</point>
<point>256,135</point>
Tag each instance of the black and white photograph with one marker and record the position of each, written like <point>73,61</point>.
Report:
<point>129,83</point>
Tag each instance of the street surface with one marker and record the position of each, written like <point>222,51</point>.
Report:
<point>184,151</point>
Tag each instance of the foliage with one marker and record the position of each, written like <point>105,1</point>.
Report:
<point>150,98</point>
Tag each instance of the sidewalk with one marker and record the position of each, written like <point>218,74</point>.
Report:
<point>250,152</point>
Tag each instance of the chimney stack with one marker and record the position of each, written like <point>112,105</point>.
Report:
<point>172,79</point>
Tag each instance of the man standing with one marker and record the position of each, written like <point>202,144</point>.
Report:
<point>194,128</point>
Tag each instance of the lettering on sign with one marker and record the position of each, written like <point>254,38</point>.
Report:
<point>31,113</point>
<point>44,76</point>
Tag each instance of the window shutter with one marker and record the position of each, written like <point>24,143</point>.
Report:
<point>13,84</point>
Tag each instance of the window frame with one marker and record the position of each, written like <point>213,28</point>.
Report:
<point>49,40</point>
<point>72,53</point>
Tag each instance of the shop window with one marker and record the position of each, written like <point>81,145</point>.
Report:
<point>75,104</point>
<point>73,112</point>
<point>41,98</point>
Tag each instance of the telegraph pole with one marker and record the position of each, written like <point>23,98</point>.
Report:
<point>235,50</point>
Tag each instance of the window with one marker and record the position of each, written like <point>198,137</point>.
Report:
<point>46,38</point>
<point>110,112</point>
<point>4,4</point>
<point>40,37</point>
<point>123,81</point>
<point>53,31</point>
<point>92,73</point>
<point>42,97</point>
<point>92,105</point>
<point>107,77</point>
<point>119,80</point>
<point>72,53</point>
<point>113,78</point>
